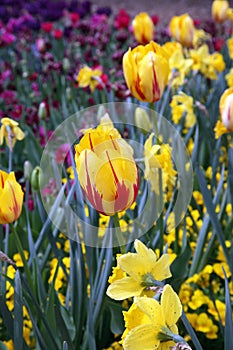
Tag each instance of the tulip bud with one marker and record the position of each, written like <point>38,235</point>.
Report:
<point>69,94</point>
<point>220,10</point>
<point>182,29</point>
<point>42,112</point>
<point>146,71</point>
<point>27,170</point>
<point>143,28</point>
<point>66,64</point>
<point>226,109</point>
<point>36,178</point>
<point>142,120</point>
<point>106,169</point>
<point>11,198</point>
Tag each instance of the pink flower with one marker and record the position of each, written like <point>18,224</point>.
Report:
<point>62,153</point>
<point>47,26</point>
<point>57,34</point>
<point>122,20</point>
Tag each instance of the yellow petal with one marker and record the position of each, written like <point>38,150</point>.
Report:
<point>171,306</point>
<point>142,337</point>
<point>161,269</point>
<point>125,288</point>
<point>152,309</point>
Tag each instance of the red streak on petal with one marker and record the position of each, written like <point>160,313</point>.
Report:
<point>91,145</point>
<point>229,113</point>
<point>138,89</point>
<point>2,180</point>
<point>113,171</point>
<point>122,197</point>
<point>94,197</point>
<point>16,207</point>
<point>114,144</point>
<point>155,85</point>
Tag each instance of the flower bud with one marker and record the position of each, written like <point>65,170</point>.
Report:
<point>36,178</point>
<point>66,64</point>
<point>226,109</point>
<point>220,10</point>
<point>106,169</point>
<point>42,111</point>
<point>142,120</point>
<point>182,29</point>
<point>146,71</point>
<point>11,198</point>
<point>27,170</point>
<point>143,28</point>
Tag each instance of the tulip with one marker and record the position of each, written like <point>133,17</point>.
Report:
<point>182,29</point>
<point>106,169</point>
<point>226,109</point>
<point>143,28</point>
<point>146,71</point>
<point>11,198</point>
<point>220,10</point>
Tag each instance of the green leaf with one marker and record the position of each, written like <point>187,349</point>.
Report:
<point>18,312</point>
<point>117,320</point>
<point>179,267</point>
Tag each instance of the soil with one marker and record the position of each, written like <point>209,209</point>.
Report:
<point>165,9</point>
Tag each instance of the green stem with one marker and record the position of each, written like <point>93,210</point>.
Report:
<point>120,237</point>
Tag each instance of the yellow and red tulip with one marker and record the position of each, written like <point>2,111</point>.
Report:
<point>220,10</point>
<point>146,71</point>
<point>11,198</point>
<point>226,109</point>
<point>182,29</point>
<point>143,28</point>
<point>106,168</point>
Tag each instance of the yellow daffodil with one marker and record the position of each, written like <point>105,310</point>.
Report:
<point>182,29</point>
<point>158,329</point>
<point>183,105</point>
<point>226,109</point>
<point>143,28</point>
<point>179,67</point>
<point>220,10</point>
<point>11,198</point>
<point>146,71</point>
<point>208,64</point>
<point>143,271</point>
<point>106,168</point>
<point>10,131</point>
<point>158,158</point>
<point>89,77</point>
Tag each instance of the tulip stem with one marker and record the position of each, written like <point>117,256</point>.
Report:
<point>119,234</point>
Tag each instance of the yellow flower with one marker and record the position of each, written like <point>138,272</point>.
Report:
<point>11,198</point>
<point>158,329</point>
<point>182,29</point>
<point>226,109</point>
<point>220,10</point>
<point>89,77</point>
<point>183,105</point>
<point>229,78</point>
<point>158,158</point>
<point>200,37</point>
<point>117,273</point>
<point>143,28</point>
<point>208,64</point>
<point>221,310</point>
<point>230,47</point>
<point>10,132</point>
<point>146,71</point>
<point>198,299</point>
<point>220,129</point>
<point>179,67</point>
<point>106,168</point>
<point>143,270</point>
<point>202,323</point>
